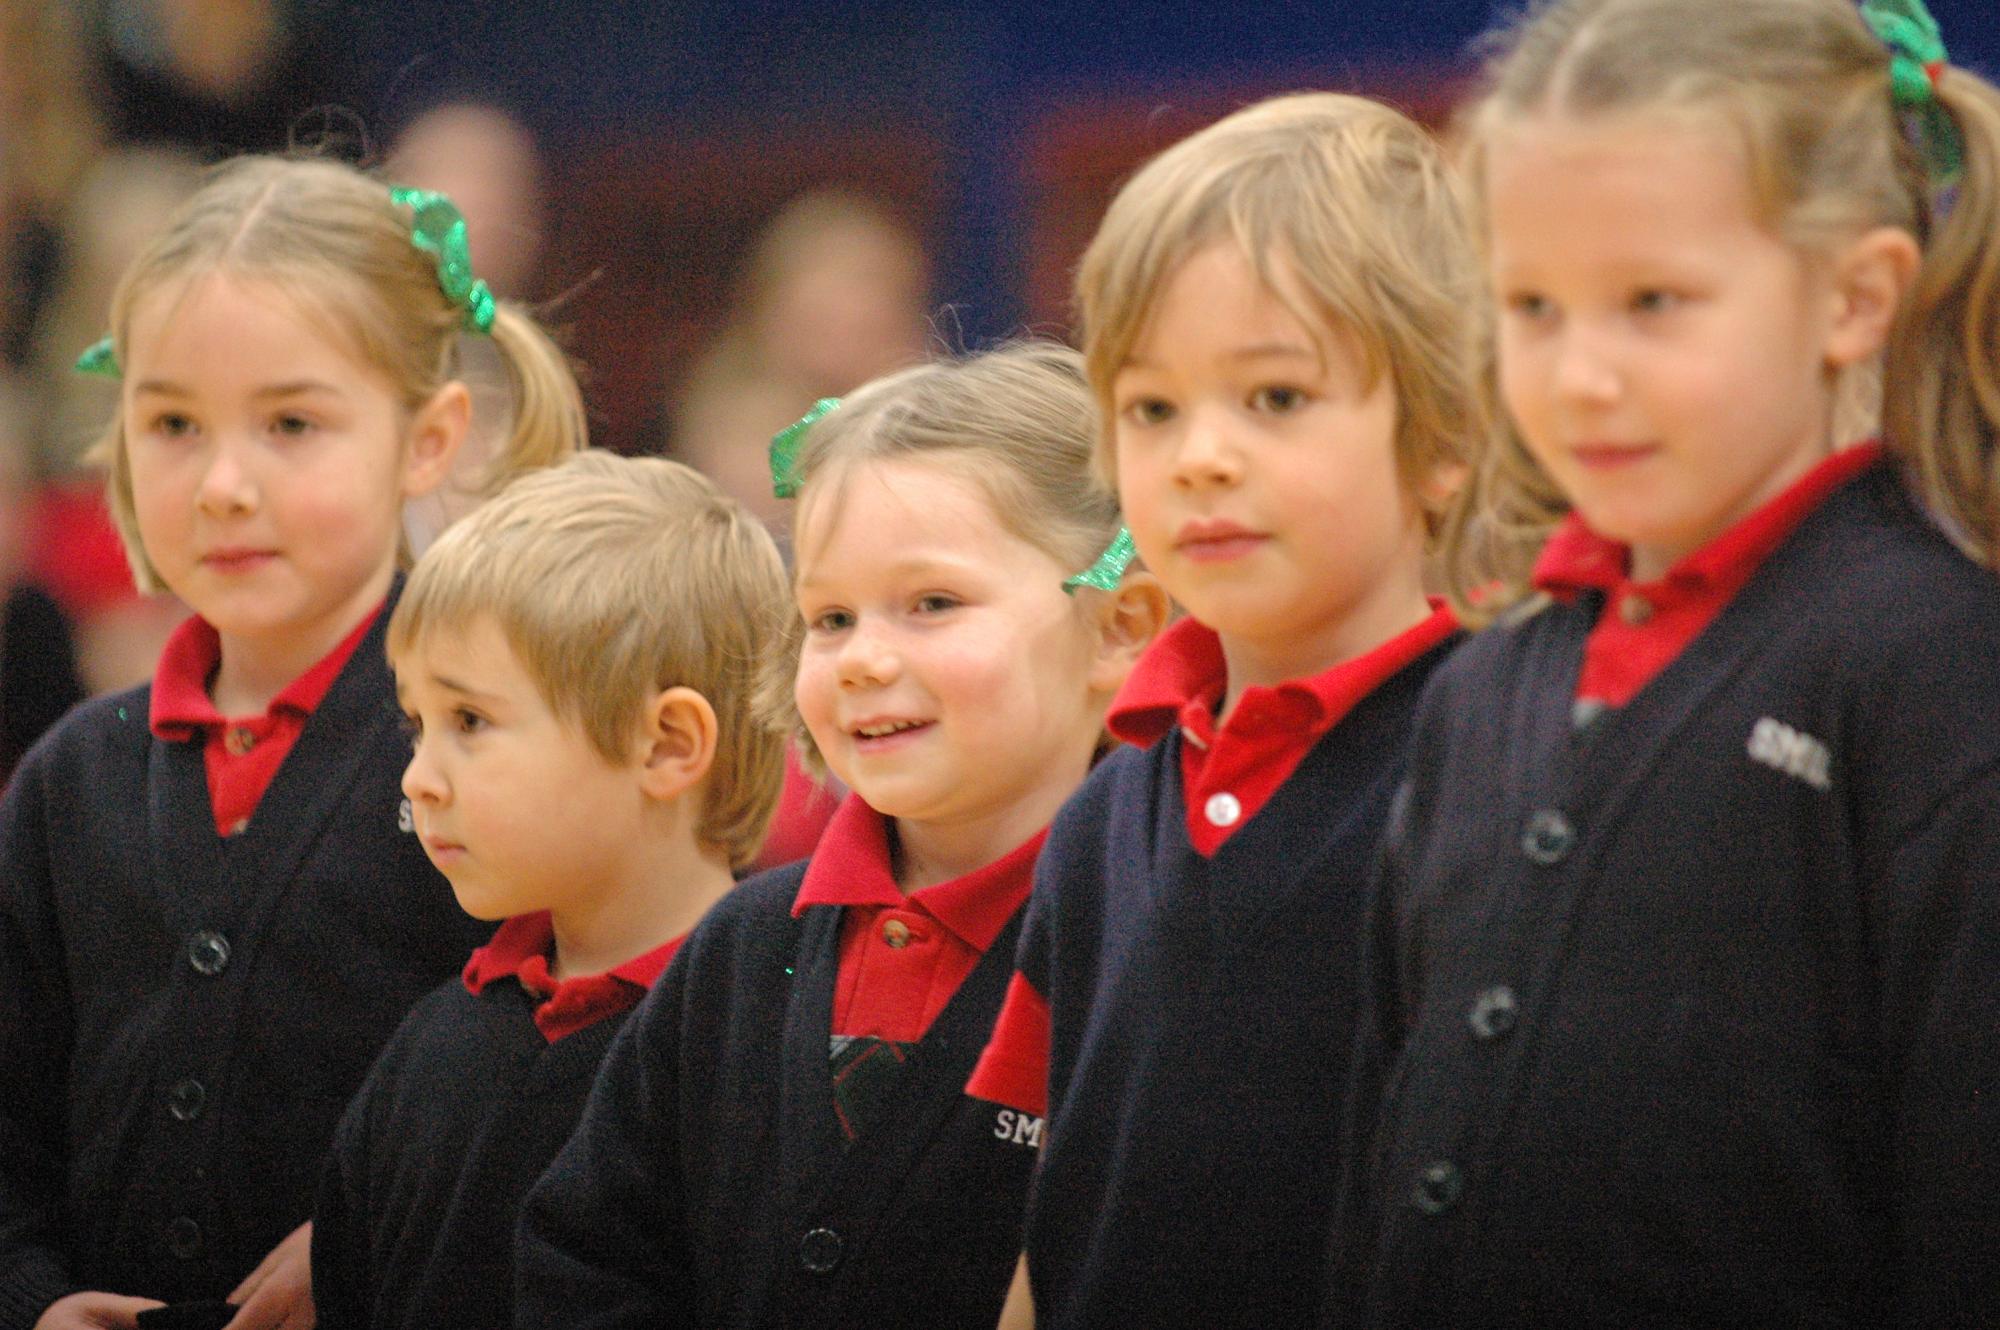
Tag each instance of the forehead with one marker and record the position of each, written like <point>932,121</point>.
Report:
<point>258,320</point>
<point>1565,189</point>
<point>875,512</point>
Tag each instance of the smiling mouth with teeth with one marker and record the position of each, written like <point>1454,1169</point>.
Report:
<point>891,727</point>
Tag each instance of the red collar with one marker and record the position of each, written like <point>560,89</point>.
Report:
<point>520,950</point>
<point>851,867</point>
<point>1578,559</point>
<point>1181,677</point>
<point>181,706</point>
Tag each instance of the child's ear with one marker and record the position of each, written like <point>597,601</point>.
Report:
<point>1128,619</point>
<point>1871,275</point>
<point>677,743</point>
<point>436,431</point>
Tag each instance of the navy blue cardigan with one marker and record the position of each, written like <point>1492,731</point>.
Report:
<point>418,1204</point>
<point>183,1017</point>
<point>707,1184</point>
<point>1202,1010</point>
<point>1692,1017</point>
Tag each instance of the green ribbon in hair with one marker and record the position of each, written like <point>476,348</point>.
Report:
<point>99,358</point>
<point>438,228</point>
<point>785,445</point>
<point>1917,60</point>
<point>1110,567</point>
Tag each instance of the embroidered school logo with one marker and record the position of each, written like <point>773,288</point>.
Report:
<point>1020,1128</point>
<point>1782,748</point>
<point>405,819</point>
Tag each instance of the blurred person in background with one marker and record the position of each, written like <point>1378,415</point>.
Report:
<point>38,672</point>
<point>113,212</point>
<point>833,294</point>
<point>218,76</point>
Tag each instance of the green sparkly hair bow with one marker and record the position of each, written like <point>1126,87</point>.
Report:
<point>438,228</point>
<point>1917,59</point>
<point>1109,568</point>
<point>99,358</point>
<point>785,445</point>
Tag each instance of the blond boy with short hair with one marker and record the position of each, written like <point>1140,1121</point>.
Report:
<point>578,661</point>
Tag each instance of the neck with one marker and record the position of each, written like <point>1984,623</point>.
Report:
<point>1388,614</point>
<point>660,893</point>
<point>256,667</point>
<point>926,853</point>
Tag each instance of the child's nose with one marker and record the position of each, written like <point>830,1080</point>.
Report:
<point>1208,454</point>
<point>423,783</point>
<point>867,657</point>
<point>1585,367</point>
<point>227,485</point>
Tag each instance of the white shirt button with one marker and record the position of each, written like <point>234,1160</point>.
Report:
<point>1223,809</point>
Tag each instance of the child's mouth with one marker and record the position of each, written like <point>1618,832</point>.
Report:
<point>882,735</point>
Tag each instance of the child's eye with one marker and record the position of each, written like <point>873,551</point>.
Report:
<point>829,621</point>
<point>1530,306</point>
<point>172,425</point>
<point>1149,411</point>
<point>1654,301</point>
<point>1277,399</point>
<point>937,602</point>
<point>413,728</point>
<point>291,424</point>
<point>467,721</point>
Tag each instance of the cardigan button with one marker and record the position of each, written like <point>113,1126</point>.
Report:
<point>1438,1187</point>
<point>1548,837</point>
<point>1635,609</point>
<point>1223,809</point>
<point>186,1100</point>
<point>208,952</point>
<point>1493,1013</point>
<point>184,1238</point>
<point>820,1250</point>
<point>896,933</point>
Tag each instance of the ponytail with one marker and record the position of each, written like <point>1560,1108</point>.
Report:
<point>548,419</point>
<point>1941,390</point>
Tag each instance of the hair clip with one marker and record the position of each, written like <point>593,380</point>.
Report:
<point>99,358</point>
<point>437,227</point>
<point>1917,61</point>
<point>1110,567</point>
<point>785,446</point>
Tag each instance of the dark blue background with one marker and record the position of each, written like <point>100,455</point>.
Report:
<point>585,73</point>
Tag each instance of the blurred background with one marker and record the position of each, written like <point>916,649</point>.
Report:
<point>728,209</point>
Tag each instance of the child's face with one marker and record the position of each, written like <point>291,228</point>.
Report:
<point>1258,475</point>
<point>1663,354</point>
<point>945,675</point>
<point>513,803</point>
<point>268,464</point>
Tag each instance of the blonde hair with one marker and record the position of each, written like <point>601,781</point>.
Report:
<point>1804,86</point>
<point>1347,212</point>
<point>614,578</point>
<point>1018,421</point>
<point>328,236</point>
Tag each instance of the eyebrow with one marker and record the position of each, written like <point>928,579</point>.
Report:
<point>291,388</point>
<point>1258,351</point>
<point>450,684</point>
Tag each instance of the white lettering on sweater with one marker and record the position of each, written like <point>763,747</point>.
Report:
<point>1794,752</point>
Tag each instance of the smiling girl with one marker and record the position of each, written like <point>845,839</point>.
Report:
<point>213,910</point>
<point>781,1137</point>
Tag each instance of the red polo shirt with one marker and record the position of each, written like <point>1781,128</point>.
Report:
<point>1645,625</point>
<point>1228,773</point>
<point>902,957</point>
<point>520,950</point>
<point>241,753</point>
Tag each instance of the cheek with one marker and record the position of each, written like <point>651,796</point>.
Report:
<point>812,693</point>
